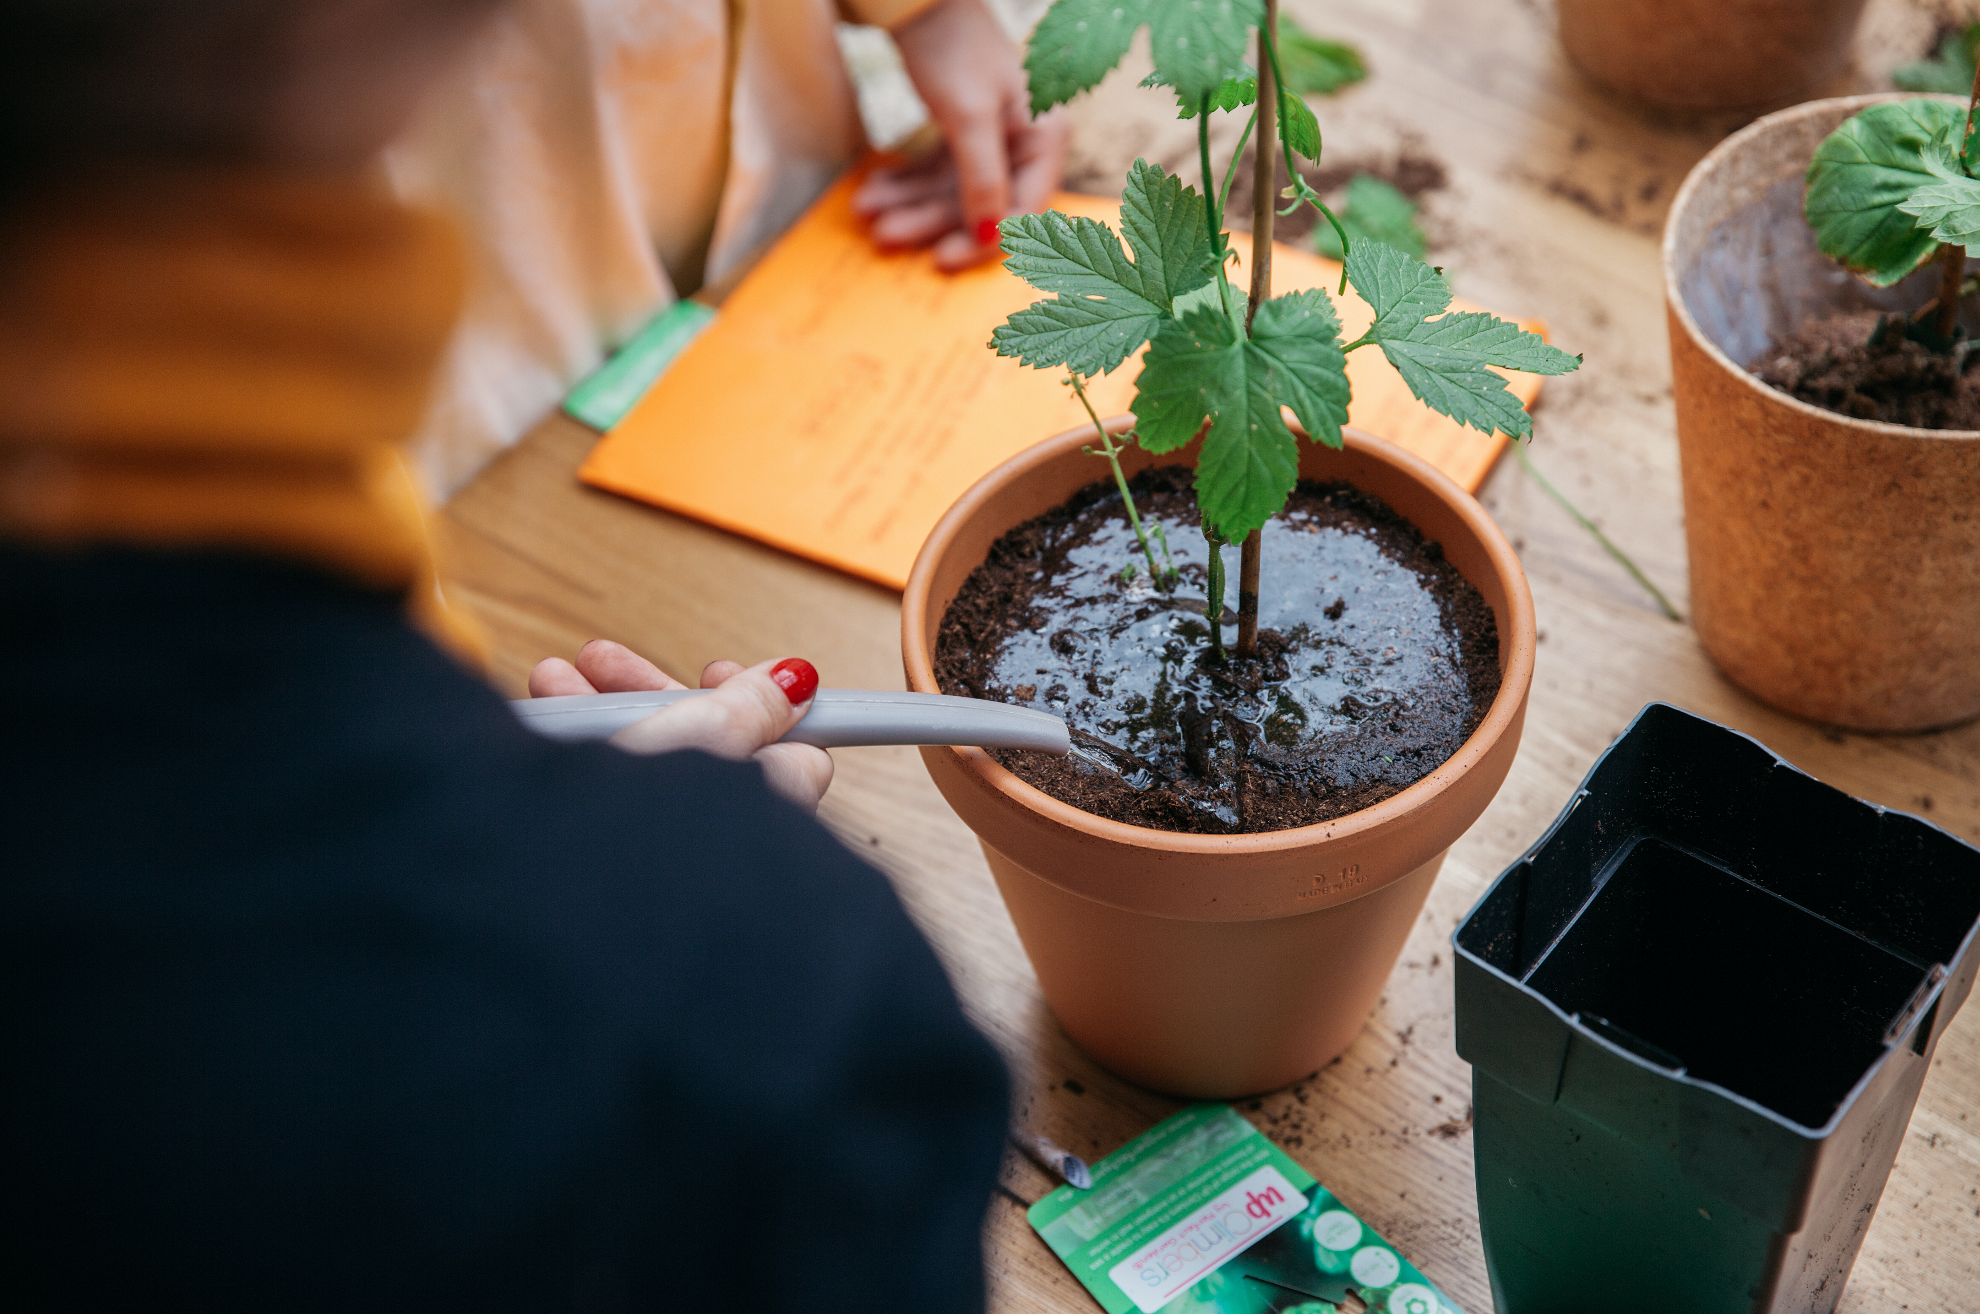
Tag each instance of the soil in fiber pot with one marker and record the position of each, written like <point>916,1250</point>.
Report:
<point>1833,362</point>
<point>1376,659</point>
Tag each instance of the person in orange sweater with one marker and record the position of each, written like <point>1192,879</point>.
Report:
<point>326,986</point>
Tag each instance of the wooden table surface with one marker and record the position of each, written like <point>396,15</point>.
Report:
<point>1555,193</point>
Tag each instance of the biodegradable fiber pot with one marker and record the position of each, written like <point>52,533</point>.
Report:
<point>1710,54</point>
<point>1219,965</point>
<point>1835,562</point>
<point>1698,1013</point>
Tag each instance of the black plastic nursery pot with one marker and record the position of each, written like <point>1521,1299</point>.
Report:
<point>1698,1014</point>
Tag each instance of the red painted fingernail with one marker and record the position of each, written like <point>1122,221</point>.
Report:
<point>986,232</point>
<point>797,677</point>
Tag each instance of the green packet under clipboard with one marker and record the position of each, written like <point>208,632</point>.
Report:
<point>1204,1215</point>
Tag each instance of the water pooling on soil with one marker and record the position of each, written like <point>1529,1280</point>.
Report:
<point>1376,659</point>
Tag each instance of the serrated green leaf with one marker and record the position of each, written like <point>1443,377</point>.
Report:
<point>1950,71</point>
<point>1862,172</point>
<point>1948,209</point>
<point>1402,292</point>
<point>1103,315</point>
<point>1452,384</point>
<point>1249,462</point>
<point>1076,44</point>
<point>1191,368</point>
<point>1298,337</point>
<point>1298,128</point>
<point>1445,361</point>
<point>1493,341</point>
<point>1202,367</point>
<point>1198,44</point>
<point>1085,336</point>
<point>1214,295</point>
<point>1162,219</point>
<point>1197,368</point>
<point>1376,212</point>
<point>1314,66</point>
<point>1109,304</point>
<point>1231,93</point>
<point>1057,252</point>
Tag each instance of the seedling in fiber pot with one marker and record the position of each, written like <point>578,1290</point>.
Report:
<point>1216,361</point>
<point>1894,189</point>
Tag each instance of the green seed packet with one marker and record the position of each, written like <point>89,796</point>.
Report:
<point>1204,1215</point>
<point>602,398</point>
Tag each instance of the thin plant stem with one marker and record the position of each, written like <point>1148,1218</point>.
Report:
<point>1213,605</point>
<point>1268,36</point>
<point>1966,137</point>
<point>1560,498</point>
<point>1213,608</point>
<point>1264,174</point>
<point>1163,575</point>
<point>1214,211</point>
<point>1230,174</point>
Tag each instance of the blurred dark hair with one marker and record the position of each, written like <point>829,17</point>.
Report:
<point>89,81</point>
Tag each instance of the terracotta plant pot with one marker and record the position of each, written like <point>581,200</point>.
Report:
<point>1835,562</point>
<point>1219,965</point>
<point>1710,54</point>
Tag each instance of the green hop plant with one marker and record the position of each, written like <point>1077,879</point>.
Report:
<point>1894,189</point>
<point>1214,361</point>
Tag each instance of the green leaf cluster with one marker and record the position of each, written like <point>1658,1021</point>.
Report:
<point>1890,185</point>
<point>1159,285</point>
<point>1204,367</point>
<point>1313,66</point>
<point>1297,126</point>
<point>1951,70</point>
<point>1109,304</point>
<point>1197,45</point>
<point>1232,93</point>
<point>1205,371</point>
<point>1373,211</point>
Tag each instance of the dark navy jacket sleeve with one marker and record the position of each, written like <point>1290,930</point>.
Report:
<point>328,987</point>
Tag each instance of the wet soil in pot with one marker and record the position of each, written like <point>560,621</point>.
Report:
<point>1832,362</point>
<point>1376,659</point>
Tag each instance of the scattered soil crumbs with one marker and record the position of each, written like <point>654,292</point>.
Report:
<point>1415,176</point>
<point>1376,659</point>
<point>1830,363</point>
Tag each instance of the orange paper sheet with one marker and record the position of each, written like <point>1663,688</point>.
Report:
<point>843,399</point>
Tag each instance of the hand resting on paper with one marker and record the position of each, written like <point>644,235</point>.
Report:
<point>996,160</point>
<point>750,711</point>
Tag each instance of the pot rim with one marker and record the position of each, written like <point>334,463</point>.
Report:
<point>1518,640</point>
<point>1675,300</point>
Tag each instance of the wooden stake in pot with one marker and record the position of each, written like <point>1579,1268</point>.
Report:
<point>1264,203</point>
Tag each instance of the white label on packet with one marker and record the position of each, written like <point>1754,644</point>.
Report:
<point>1206,1239</point>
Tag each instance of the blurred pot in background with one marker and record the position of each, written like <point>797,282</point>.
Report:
<point>1710,54</point>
